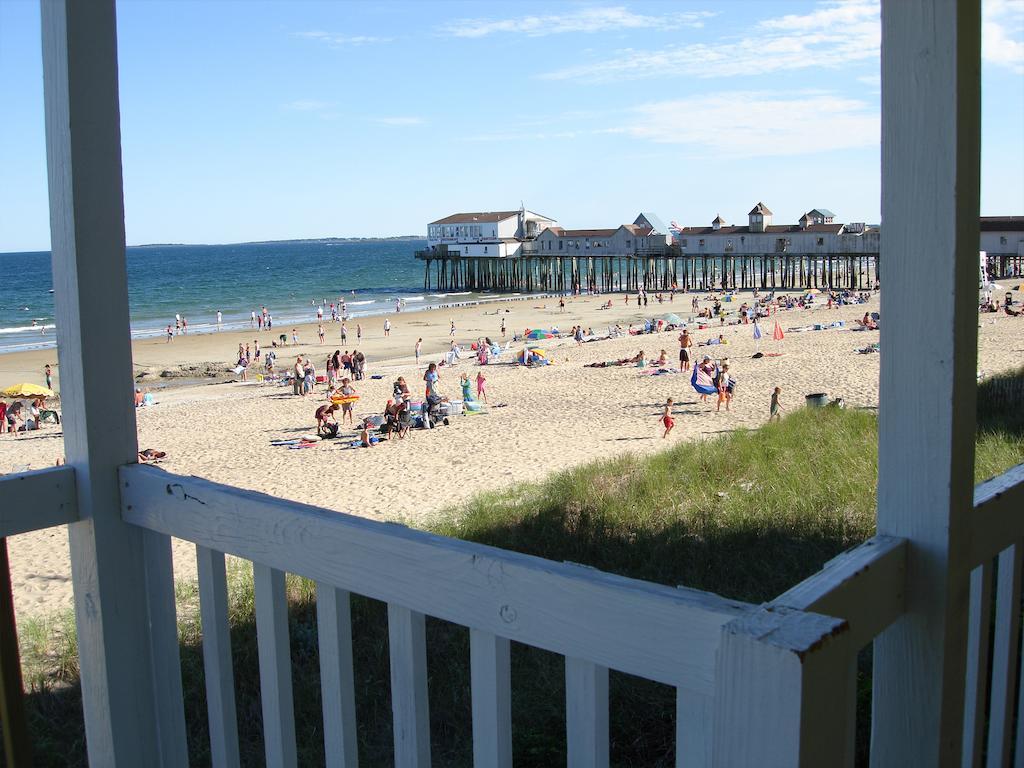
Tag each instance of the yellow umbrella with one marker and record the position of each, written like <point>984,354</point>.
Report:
<point>27,390</point>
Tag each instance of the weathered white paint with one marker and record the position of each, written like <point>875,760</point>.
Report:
<point>783,683</point>
<point>490,667</point>
<point>694,719</point>
<point>220,677</point>
<point>36,500</point>
<point>865,586</point>
<point>407,643</point>
<point>931,61</point>
<point>976,692</point>
<point>163,626</point>
<point>83,150</point>
<point>586,714</point>
<point>996,522</point>
<point>1005,653</point>
<point>275,666</point>
<point>337,680</point>
<point>556,606</point>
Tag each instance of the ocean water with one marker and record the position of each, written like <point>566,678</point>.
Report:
<point>196,281</point>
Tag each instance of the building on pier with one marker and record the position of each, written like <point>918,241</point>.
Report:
<point>1002,239</point>
<point>488,234</point>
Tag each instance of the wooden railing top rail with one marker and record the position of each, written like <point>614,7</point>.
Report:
<point>998,516</point>
<point>656,632</point>
<point>36,500</point>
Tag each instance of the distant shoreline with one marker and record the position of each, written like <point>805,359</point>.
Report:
<point>391,239</point>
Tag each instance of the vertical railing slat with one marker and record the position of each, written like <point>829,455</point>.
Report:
<point>491,675</point>
<point>586,713</point>
<point>1004,656</point>
<point>407,642</point>
<point>275,666</point>
<point>163,627</point>
<point>220,677</point>
<point>978,640</point>
<point>693,729</point>
<point>337,682</point>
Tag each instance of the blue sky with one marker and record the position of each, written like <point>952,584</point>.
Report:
<point>250,121</point>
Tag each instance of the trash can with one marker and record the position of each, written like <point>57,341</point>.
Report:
<point>817,400</point>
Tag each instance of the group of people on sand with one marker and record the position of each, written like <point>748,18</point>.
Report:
<point>17,417</point>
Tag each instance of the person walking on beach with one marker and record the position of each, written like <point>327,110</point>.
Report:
<point>776,408</point>
<point>419,343</point>
<point>685,343</point>
<point>666,418</point>
<point>344,333</point>
<point>561,304</point>
<point>431,378</point>
<point>348,394</point>
<point>724,387</point>
<point>252,319</point>
<point>295,337</point>
<point>270,321</point>
<point>299,375</point>
<point>452,331</point>
<point>387,327</point>
<point>359,332</point>
<point>481,386</point>
<point>320,332</point>
<point>219,318</point>
<point>503,327</point>
<point>49,376</point>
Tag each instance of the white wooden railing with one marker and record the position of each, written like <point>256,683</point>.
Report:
<point>756,685</point>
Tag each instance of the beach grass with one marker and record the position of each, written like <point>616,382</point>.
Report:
<point>747,515</point>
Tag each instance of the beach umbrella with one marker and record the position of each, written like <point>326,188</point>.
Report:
<point>538,333</point>
<point>673,319</point>
<point>777,334</point>
<point>27,390</point>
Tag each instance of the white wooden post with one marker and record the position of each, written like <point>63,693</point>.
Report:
<point>275,666</point>
<point>337,680</point>
<point>407,641</point>
<point>976,689</point>
<point>83,147</point>
<point>586,714</point>
<point>490,667</point>
<point>217,667</point>
<point>782,690</point>
<point>931,63</point>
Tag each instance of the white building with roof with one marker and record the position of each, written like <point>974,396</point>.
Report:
<point>486,234</point>
<point>816,233</point>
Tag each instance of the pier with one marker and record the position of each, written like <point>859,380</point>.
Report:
<point>659,269</point>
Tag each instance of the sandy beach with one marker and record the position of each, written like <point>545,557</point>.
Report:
<point>550,418</point>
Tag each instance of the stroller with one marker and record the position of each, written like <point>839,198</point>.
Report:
<point>434,410</point>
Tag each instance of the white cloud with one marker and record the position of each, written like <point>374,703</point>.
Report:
<point>583,20</point>
<point>340,41</point>
<point>308,105</point>
<point>401,120</point>
<point>749,124</point>
<point>1002,33</point>
<point>836,33</point>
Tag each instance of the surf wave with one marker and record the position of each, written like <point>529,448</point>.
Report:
<point>360,303</point>
<point>27,328</point>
